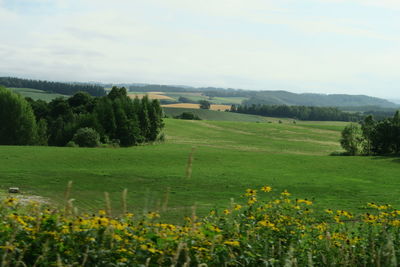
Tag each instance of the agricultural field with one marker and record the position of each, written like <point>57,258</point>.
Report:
<point>37,94</point>
<point>192,96</point>
<point>228,158</point>
<point>213,115</point>
<point>197,106</point>
<point>151,95</point>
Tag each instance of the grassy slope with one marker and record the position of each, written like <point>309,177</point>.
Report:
<point>36,94</point>
<point>213,115</point>
<point>230,157</point>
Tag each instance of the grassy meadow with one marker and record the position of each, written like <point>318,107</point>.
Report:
<point>36,94</point>
<point>229,157</point>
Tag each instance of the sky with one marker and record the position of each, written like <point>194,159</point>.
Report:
<point>317,46</point>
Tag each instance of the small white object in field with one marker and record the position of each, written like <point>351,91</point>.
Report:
<point>13,190</point>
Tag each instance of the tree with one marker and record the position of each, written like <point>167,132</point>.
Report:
<point>204,104</point>
<point>117,93</point>
<point>155,116</point>
<point>42,138</point>
<point>17,121</point>
<point>86,137</point>
<point>352,139</point>
<point>144,119</point>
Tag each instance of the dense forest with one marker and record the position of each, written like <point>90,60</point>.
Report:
<point>372,137</point>
<point>84,120</point>
<point>298,112</point>
<point>53,87</point>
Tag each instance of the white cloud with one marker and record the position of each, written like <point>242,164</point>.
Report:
<point>197,43</point>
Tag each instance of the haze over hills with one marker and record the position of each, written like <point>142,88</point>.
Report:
<point>250,97</point>
<point>278,97</point>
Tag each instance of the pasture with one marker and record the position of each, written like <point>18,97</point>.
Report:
<point>37,94</point>
<point>229,158</point>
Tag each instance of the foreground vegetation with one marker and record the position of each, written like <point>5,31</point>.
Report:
<point>264,230</point>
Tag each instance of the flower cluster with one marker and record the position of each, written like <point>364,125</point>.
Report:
<point>265,228</point>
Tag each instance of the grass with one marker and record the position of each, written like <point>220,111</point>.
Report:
<point>213,115</point>
<point>230,157</point>
<point>36,94</point>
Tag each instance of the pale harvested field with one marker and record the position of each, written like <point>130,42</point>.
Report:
<point>197,106</point>
<point>152,95</point>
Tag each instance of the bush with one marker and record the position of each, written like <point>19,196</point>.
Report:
<point>188,116</point>
<point>87,137</point>
<point>204,104</point>
<point>71,144</point>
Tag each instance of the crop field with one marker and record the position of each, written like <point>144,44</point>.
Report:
<point>229,157</point>
<point>197,106</point>
<point>36,94</point>
<point>151,95</point>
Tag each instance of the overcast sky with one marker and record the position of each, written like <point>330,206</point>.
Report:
<point>323,46</point>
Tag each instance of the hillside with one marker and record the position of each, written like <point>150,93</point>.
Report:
<point>334,100</point>
<point>227,96</point>
<point>52,87</point>
<point>229,158</point>
<point>213,115</point>
<point>36,94</point>
<point>279,97</point>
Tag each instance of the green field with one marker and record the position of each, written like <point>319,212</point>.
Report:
<point>36,94</point>
<point>214,115</point>
<point>229,158</point>
<point>199,96</point>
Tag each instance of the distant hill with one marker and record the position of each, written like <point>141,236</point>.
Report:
<point>52,87</point>
<point>215,95</point>
<point>274,97</point>
<point>307,99</point>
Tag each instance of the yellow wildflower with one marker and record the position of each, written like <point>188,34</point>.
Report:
<point>252,200</point>
<point>329,211</point>
<point>232,243</point>
<point>250,193</point>
<point>266,189</point>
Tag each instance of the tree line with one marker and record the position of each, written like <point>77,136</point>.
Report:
<point>53,87</point>
<point>298,112</point>
<point>113,119</point>
<point>372,137</point>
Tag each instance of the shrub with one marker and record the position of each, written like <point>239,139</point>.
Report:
<point>71,144</point>
<point>87,137</point>
<point>352,139</point>
<point>204,104</point>
<point>188,116</point>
